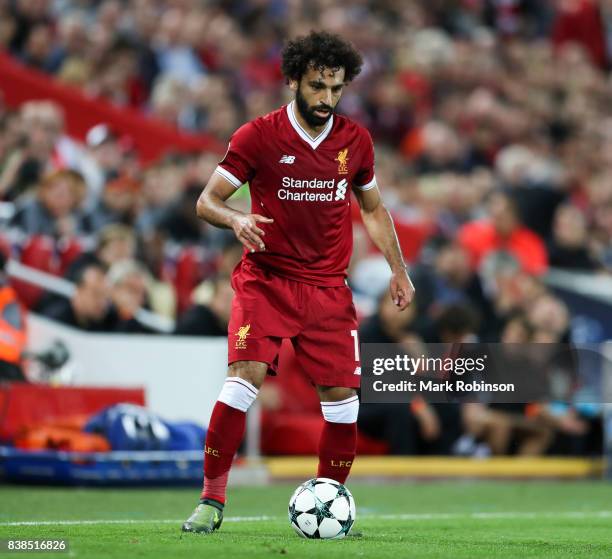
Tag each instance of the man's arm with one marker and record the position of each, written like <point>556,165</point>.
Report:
<point>379,226</point>
<point>211,207</point>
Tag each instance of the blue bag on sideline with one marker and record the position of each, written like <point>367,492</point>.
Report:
<point>131,427</point>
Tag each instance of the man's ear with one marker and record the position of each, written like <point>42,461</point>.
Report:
<point>293,85</point>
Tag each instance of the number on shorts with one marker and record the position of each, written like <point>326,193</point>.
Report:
<point>356,341</point>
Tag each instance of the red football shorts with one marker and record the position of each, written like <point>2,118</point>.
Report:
<point>320,322</point>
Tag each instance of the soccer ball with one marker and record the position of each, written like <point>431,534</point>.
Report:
<point>322,508</point>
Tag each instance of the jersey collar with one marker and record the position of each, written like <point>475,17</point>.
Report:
<point>312,142</point>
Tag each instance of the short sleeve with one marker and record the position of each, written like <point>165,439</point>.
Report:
<point>365,178</point>
<point>239,164</point>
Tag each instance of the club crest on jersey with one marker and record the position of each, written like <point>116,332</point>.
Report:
<point>342,161</point>
<point>242,334</point>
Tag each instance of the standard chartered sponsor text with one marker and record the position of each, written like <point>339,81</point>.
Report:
<point>299,190</point>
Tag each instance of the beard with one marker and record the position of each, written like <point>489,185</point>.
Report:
<point>308,112</point>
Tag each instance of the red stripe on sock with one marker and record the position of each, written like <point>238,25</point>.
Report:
<point>215,488</point>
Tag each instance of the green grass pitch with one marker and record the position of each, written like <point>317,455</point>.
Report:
<point>450,519</point>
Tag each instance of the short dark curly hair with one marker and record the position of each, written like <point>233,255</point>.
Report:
<point>319,50</point>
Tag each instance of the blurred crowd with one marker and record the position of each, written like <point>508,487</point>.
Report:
<point>492,121</point>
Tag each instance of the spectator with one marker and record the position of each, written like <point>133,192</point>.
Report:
<point>161,187</point>
<point>387,326</point>
<point>90,307</point>
<point>442,150</point>
<point>56,210</point>
<point>580,21</point>
<point>72,42</point>
<point>506,428</point>
<point>37,49</point>
<point>451,280</point>
<point>29,154</point>
<point>550,319</point>
<point>180,223</point>
<point>175,57</point>
<point>104,158</point>
<point>503,231</point>
<point>128,282</point>
<point>28,14</point>
<point>457,324</point>
<point>211,319</point>
<point>568,248</point>
<point>118,204</point>
<point>115,243</point>
<point>8,27</point>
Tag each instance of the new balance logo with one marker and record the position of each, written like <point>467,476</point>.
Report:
<point>341,190</point>
<point>288,159</point>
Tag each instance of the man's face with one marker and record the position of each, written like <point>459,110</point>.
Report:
<point>453,264</point>
<point>318,93</point>
<point>116,250</point>
<point>58,197</point>
<point>90,301</point>
<point>502,215</point>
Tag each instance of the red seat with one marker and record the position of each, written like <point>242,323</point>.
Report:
<point>39,253</point>
<point>68,252</point>
<point>188,274</point>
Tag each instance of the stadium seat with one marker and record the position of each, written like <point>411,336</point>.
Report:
<point>188,274</point>
<point>39,253</point>
<point>68,252</point>
<point>29,405</point>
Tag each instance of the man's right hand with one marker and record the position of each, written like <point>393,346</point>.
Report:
<point>247,232</point>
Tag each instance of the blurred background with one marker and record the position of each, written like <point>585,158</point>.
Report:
<point>492,122</point>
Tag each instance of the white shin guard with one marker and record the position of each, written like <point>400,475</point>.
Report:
<point>344,411</point>
<point>238,393</point>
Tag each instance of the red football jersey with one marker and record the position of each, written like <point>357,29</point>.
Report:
<point>303,184</point>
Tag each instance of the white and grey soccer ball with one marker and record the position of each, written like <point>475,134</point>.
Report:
<point>322,508</point>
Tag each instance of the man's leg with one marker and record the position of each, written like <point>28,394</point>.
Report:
<point>338,444</point>
<point>224,435</point>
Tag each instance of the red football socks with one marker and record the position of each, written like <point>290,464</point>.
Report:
<point>223,438</point>
<point>337,449</point>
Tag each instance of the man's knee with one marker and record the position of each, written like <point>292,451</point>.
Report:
<point>339,404</point>
<point>254,372</point>
<point>335,393</point>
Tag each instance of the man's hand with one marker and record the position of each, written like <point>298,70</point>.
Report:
<point>247,232</point>
<point>401,288</point>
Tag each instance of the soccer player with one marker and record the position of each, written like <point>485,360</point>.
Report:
<point>302,162</point>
